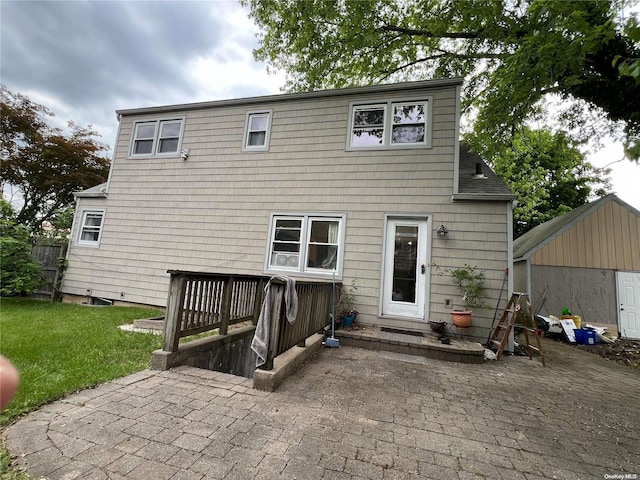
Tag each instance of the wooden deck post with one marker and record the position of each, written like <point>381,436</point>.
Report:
<point>226,306</point>
<point>258,301</point>
<point>173,317</point>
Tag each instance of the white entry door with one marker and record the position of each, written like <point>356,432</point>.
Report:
<point>629,304</point>
<point>406,271</point>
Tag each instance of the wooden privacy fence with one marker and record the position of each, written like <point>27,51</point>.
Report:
<point>48,255</point>
<point>200,302</point>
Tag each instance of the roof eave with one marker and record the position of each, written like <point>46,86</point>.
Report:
<point>90,194</point>
<point>490,197</point>
<point>391,87</point>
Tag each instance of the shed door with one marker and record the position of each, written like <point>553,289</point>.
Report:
<point>629,304</point>
<point>405,268</point>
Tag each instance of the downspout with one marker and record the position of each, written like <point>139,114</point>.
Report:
<point>456,146</point>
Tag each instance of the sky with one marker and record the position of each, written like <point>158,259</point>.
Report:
<point>86,59</point>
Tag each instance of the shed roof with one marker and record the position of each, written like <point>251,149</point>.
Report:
<point>525,245</point>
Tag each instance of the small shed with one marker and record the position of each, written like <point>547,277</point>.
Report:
<point>587,260</point>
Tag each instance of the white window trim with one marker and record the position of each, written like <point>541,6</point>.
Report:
<point>388,123</point>
<point>302,270</point>
<point>267,138</point>
<point>156,137</point>
<point>83,219</point>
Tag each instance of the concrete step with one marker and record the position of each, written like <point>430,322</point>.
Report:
<point>425,345</point>
<point>155,323</point>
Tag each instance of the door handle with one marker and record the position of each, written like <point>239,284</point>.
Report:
<point>423,269</point>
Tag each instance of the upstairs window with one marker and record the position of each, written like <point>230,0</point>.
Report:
<point>257,131</point>
<point>90,227</point>
<point>409,123</point>
<point>368,126</point>
<point>390,125</point>
<point>310,244</point>
<point>157,137</point>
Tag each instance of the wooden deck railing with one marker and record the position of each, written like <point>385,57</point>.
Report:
<point>314,308</point>
<point>200,302</point>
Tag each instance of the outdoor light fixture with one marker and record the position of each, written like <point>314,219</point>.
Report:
<point>442,232</point>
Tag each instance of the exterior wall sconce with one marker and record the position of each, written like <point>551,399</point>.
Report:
<point>442,232</point>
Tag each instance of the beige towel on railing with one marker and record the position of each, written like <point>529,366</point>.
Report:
<point>260,342</point>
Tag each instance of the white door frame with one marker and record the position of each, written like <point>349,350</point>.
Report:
<point>622,305</point>
<point>427,240</point>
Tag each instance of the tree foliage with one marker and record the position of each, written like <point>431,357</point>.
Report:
<point>45,165</point>
<point>512,53</point>
<point>546,171</point>
<point>19,273</point>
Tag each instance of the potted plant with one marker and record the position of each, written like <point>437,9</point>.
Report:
<point>470,282</point>
<point>346,310</point>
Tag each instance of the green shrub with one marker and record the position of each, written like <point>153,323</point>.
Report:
<point>19,273</point>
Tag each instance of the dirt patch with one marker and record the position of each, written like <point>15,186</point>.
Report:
<point>622,351</point>
<point>625,352</point>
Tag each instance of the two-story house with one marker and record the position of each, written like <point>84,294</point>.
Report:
<point>354,183</point>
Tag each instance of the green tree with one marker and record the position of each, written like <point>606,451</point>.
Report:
<point>19,273</point>
<point>513,54</point>
<point>45,165</point>
<point>546,171</point>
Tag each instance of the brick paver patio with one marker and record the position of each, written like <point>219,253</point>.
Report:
<point>348,414</point>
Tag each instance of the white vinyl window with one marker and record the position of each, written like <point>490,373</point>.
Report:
<point>390,125</point>
<point>306,244</point>
<point>157,137</point>
<point>408,123</point>
<point>368,125</point>
<point>90,227</point>
<point>257,131</point>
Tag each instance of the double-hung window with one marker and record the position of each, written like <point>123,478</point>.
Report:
<point>257,131</point>
<point>157,137</point>
<point>90,227</point>
<point>311,244</point>
<point>368,125</point>
<point>390,124</point>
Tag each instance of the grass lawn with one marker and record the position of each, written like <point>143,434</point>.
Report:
<point>60,348</point>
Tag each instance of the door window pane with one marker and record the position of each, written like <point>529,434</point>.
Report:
<point>405,264</point>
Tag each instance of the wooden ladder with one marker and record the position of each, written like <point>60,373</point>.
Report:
<point>509,319</point>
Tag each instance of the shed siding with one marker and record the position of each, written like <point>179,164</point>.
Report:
<point>588,292</point>
<point>211,212</point>
<point>606,239</point>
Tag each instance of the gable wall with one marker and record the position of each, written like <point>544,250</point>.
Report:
<point>211,212</point>
<point>608,238</point>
